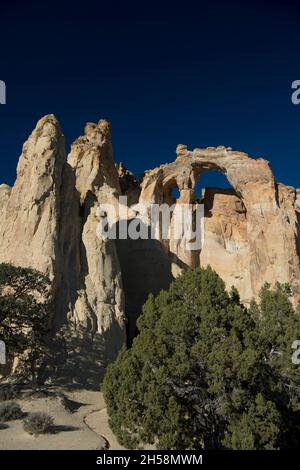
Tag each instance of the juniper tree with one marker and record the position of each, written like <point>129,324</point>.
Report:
<point>199,373</point>
<point>25,308</point>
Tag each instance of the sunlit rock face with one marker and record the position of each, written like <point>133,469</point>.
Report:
<point>100,299</point>
<point>49,221</point>
<point>251,234</point>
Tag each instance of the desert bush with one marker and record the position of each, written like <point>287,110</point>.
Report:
<point>38,423</point>
<point>10,410</point>
<point>8,392</point>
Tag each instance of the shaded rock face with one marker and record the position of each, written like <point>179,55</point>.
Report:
<point>49,221</point>
<point>146,268</point>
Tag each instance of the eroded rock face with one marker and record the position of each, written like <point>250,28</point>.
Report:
<point>225,244</point>
<point>100,300</point>
<point>251,235</point>
<point>31,209</point>
<point>49,221</point>
<point>129,185</point>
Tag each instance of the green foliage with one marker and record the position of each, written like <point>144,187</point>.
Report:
<point>10,411</point>
<point>257,428</point>
<point>205,372</point>
<point>24,313</point>
<point>38,423</point>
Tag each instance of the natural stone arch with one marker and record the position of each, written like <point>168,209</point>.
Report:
<point>245,175</point>
<point>264,200</point>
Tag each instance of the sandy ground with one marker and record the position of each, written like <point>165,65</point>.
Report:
<point>95,416</point>
<point>80,423</point>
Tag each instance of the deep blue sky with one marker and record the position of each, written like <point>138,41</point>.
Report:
<point>200,73</point>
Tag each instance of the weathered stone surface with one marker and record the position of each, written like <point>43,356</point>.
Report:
<point>225,244</point>
<point>250,237</point>
<point>129,185</point>
<point>100,301</point>
<point>49,220</point>
<point>91,157</point>
<point>29,225</point>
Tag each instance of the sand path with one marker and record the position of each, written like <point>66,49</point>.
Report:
<point>94,415</point>
<point>80,423</point>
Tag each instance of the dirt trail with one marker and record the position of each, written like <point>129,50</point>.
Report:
<point>80,422</point>
<point>70,432</point>
<point>93,413</point>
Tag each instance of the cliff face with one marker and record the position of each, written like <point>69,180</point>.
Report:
<point>49,221</point>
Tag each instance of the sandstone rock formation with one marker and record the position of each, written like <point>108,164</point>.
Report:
<point>129,185</point>
<point>49,221</point>
<point>100,297</point>
<point>251,234</point>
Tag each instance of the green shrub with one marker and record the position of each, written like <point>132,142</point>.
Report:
<point>10,410</point>
<point>25,307</point>
<point>38,423</point>
<point>8,392</point>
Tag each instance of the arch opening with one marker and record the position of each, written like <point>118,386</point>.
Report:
<point>211,179</point>
<point>175,193</point>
